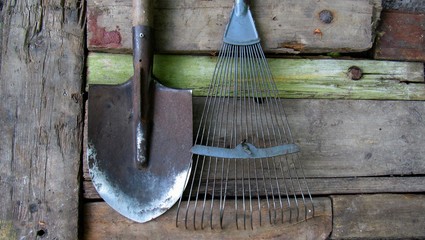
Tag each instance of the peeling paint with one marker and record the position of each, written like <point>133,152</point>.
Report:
<point>100,37</point>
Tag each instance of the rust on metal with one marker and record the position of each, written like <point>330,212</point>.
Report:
<point>318,32</point>
<point>139,194</point>
<point>142,90</point>
<point>139,138</point>
<point>355,73</point>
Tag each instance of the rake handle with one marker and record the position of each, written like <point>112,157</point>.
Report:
<point>241,7</point>
<point>246,2</point>
<point>142,13</point>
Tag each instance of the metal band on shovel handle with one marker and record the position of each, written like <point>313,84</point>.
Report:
<point>142,80</point>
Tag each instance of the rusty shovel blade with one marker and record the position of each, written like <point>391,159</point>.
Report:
<point>139,194</point>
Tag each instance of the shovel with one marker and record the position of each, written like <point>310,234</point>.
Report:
<point>140,134</point>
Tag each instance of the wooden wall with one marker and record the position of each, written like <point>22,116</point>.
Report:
<point>361,139</point>
<point>194,26</point>
<point>358,137</point>
<point>41,118</point>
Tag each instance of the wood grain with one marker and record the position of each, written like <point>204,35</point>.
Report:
<point>101,222</point>
<point>1,30</point>
<point>295,78</point>
<point>405,5</point>
<point>326,186</point>
<point>384,216</point>
<point>350,146</point>
<point>42,61</point>
<point>289,26</point>
<point>401,36</point>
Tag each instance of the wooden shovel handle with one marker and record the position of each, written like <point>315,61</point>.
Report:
<point>143,13</point>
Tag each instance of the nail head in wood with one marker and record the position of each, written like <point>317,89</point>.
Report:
<point>326,16</point>
<point>355,73</point>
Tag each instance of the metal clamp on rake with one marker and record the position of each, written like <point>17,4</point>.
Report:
<point>244,150</point>
<point>139,134</point>
<point>245,159</point>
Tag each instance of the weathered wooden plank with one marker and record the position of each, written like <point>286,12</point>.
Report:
<point>378,217</point>
<point>98,218</point>
<point>325,186</point>
<point>401,36</point>
<point>358,138</point>
<point>289,26</point>
<point>1,29</point>
<point>42,61</point>
<point>342,141</point>
<point>405,5</point>
<point>295,78</point>
<point>321,186</point>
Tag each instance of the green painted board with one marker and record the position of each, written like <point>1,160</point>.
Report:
<point>295,78</point>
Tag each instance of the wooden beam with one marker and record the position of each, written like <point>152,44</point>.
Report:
<point>1,31</point>
<point>41,102</point>
<point>325,186</point>
<point>378,217</point>
<point>99,216</point>
<point>289,26</point>
<point>295,78</point>
<point>401,36</point>
<point>352,146</point>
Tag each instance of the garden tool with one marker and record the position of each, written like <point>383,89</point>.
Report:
<point>244,152</point>
<point>139,134</point>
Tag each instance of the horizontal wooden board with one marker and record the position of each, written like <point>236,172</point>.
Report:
<point>325,186</point>
<point>401,36</point>
<point>295,78</point>
<point>378,217</point>
<point>289,26</point>
<point>101,222</point>
<point>352,146</point>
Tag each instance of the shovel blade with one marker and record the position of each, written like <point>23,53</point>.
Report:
<point>139,194</point>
